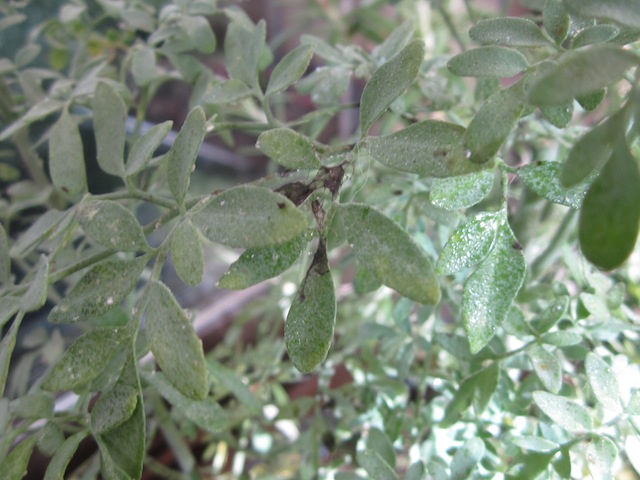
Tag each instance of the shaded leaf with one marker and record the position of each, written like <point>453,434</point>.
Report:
<point>111,225</point>
<point>66,157</point>
<point>595,34</point>
<point>109,120</point>
<point>581,72</point>
<point>601,454</point>
<point>289,69</point>
<point>99,290</point>
<point>5,261</point>
<point>388,82</point>
<point>37,233</point>
<point>508,32</point>
<point>309,326</point>
<point>547,367</point>
<point>428,148</point>
<point>145,146</point>
<point>379,442</point>
<point>184,152</point>
<point>40,110</point>
<point>558,115</point>
<point>466,458</point>
<point>492,61</point>
<point>8,307</point>
<point>603,382</point>
<point>63,454</point>
<point>175,344</point>
<point>487,383</point>
<point>199,30</point>
<point>365,282</point>
<point>544,179</point>
<point>7,345</point>
<point>551,315</point>
<point>490,290</point>
<point>326,84</point>
<point>36,294</point>
<point>230,91</point>
<point>143,66</point>
<point>386,250</point>
<point>14,466</point>
<point>568,414</point>
<point>268,218</point>
<point>243,45</point>
<point>288,148</point>
<point>463,191</point>
<point>232,382</point>
<point>591,101</point>
<point>624,12</point>
<point>188,255</point>
<point>556,20</point>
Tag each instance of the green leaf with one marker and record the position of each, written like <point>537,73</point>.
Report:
<point>230,91</point>
<point>85,359</point>
<point>551,315</point>
<point>288,148</point>
<point>591,101</point>
<point>558,115</point>
<point>232,382</point>
<point>544,179</point>
<point>561,338</point>
<point>469,244</point>
<point>5,260</point>
<point>109,120</point>
<point>547,367</point>
<point>188,256</point>
<point>493,122</point>
<point>184,152</point>
<point>581,72</point>
<point>624,12</point>
<point>37,233</point>
<point>175,344</point>
<point>490,290</point>
<point>36,294</point>
<point>603,382</point>
<point>601,454</point>
<point>267,218</point>
<point>416,471</point>
<point>375,465</point>
<point>145,146</point>
<point>492,61</point>
<point>51,437</point>
<point>428,148</point>
<point>40,110</point>
<point>594,34</point>
<point>8,307</point>
<point>66,157</point>
<point>463,191</point>
<point>568,414</point>
<point>535,444</point>
<point>365,282</point>
<point>14,466</point>
<point>199,30</point>
<point>466,458</point>
<point>289,69</point>
<point>388,82</point>
<point>487,383</point>
<point>143,66</point>
<point>386,250</point>
<point>394,43</point>
<point>7,345</point>
<point>63,454</point>
<point>242,49</point>
<point>206,413</point>
<point>111,225</point>
<point>556,20</point>
<point>309,326</point>
<point>379,442</point>
<point>261,263</point>
<point>608,225</point>
<point>326,84</point>
<point>508,32</point>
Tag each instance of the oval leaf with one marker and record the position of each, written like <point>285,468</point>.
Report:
<point>547,368</point>
<point>375,465</point>
<point>556,20</point>
<point>595,34</point>
<point>386,250</point>
<point>601,454</point>
<point>308,331</point>
<point>188,256</point>
<point>199,30</point>
<point>143,66</point>
<point>174,343</point>
<point>144,148</point>
<point>466,458</point>
<point>430,148</point>
<point>389,82</point>
<point>535,444</point>
<point>289,69</point>
<point>544,179</point>
<point>243,46</point>
<point>603,382</point>
<point>36,294</point>
<point>490,61</point>
<point>624,12</point>
<point>111,225</point>
<point>63,454</point>
<point>463,191</point>
<point>249,216</point>
<point>110,120</point>
<point>508,32</point>
<point>288,148</point>
<point>66,157</point>
<point>568,414</point>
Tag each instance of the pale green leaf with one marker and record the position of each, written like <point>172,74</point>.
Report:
<point>633,406</point>
<point>243,45</point>
<point>608,225</point>
<point>601,454</point>
<point>101,289</point>
<point>491,61</point>
<point>535,444</point>
<point>603,382</point>
<point>581,72</point>
<point>551,315</point>
<point>66,157</point>
<point>487,383</point>
<point>12,19</point>
<point>547,367</point>
<point>36,294</point>
<point>463,191</point>
<point>188,255</point>
<point>14,466</point>
<point>111,225</point>
<point>568,414</point>
<point>261,263</point>
<point>5,260</point>
<point>184,152</point>
<point>40,110</point>
<point>469,244</point>
<point>199,31</point>
<point>34,405</point>
<point>562,338</point>
<point>288,148</point>
<point>624,12</point>
<point>558,115</point>
<point>109,120</point>
<point>388,82</point>
<point>544,179</point>
<point>394,43</point>
<point>365,282</point>
<point>379,442</point>
<point>326,84</point>
<point>490,290</point>
<point>289,69</point>
<point>595,34</point>
<point>85,359</point>
<point>310,323</point>
<point>416,471</point>
<point>429,148</point>
<point>493,122</point>
<point>508,32</point>
<point>230,91</point>
<point>175,344</point>
<point>386,250</point>
<point>37,233</point>
<point>63,454</point>
<point>7,345</point>
<point>206,413</point>
<point>51,437</point>
<point>556,20</point>
<point>322,48</point>
<point>233,382</point>
<point>8,307</point>
<point>375,466</point>
<point>143,66</point>
<point>466,458</point>
<point>248,216</point>
<point>145,146</point>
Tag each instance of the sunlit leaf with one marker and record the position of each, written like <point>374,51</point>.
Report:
<point>109,119</point>
<point>466,458</point>
<point>375,465</point>
<point>568,414</point>
<point>547,367</point>
<point>603,382</point>
<point>508,32</point>
<point>601,454</point>
<point>66,157</point>
<point>379,442</point>
<point>535,444</point>
<point>288,148</point>
<point>492,61</point>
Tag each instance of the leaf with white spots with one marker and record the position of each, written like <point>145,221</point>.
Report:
<point>110,120</point>
<point>288,148</point>
<point>568,414</point>
<point>601,453</point>
<point>603,382</point>
<point>547,367</point>
<point>544,179</point>
<point>462,191</point>
<point>187,251</point>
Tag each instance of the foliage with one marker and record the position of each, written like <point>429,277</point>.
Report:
<point>488,207</point>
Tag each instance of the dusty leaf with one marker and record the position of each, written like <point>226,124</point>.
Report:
<point>568,414</point>
<point>145,146</point>
<point>603,382</point>
<point>288,148</point>
<point>66,157</point>
<point>110,120</point>
<point>491,61</point>
<point>462,191</point>
<point>188,255</point>
<point>508,32</point>
<point>289,69</point>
